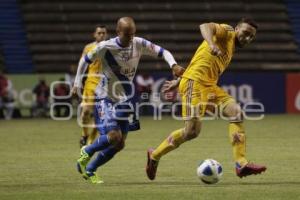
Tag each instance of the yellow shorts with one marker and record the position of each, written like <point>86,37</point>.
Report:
<point>198,99</point>
<point>88,96</point>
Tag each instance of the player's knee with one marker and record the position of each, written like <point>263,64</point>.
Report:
<point>192,129</point>
<point>192,134</point>
<point>120,146</point>
<point>115,137</point>
<point>235,114</point>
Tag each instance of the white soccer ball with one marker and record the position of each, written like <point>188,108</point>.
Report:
<point>209,171</point>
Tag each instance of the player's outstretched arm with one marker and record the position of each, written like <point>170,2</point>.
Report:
<point>82,66</point>
<point>208,30</point>
<point>151,49</point>
<point>84,62</point>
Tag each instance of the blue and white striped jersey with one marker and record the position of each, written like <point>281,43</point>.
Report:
<point>119,65</point>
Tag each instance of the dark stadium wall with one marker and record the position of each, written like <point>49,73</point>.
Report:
<point>13,41</point>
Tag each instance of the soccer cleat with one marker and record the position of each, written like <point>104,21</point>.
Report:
<point>151,166</point>
<point>82,161</point>
<point>249,169</point>
<point>92,176</point>
<point>83,141</point>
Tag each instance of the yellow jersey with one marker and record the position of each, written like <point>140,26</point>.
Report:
<point>207,68</point>
<point>92,76</point>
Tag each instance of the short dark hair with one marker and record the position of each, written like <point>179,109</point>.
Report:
<point>249,21</point>
<point>100,26</point>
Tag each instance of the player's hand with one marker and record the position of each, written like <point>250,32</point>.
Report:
<point>215,50</point>
<point>74,91</point>
<point>170,85</point>
<point>177,70</point>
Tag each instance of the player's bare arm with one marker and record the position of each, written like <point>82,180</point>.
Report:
<point>80,70</point>
<point>208,30</point>
<point>75,89</point>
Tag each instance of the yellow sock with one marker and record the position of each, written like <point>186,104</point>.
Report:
<point>93,135</point>
<point>175,139</point>
<point>238,142</point>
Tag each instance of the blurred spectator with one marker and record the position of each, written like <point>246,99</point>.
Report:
<point>62,90</point>
<point>7,105</point>
<point>144,89</point>
<point>41,104</point>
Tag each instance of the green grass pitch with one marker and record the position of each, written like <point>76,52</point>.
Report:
<point>38,162</point>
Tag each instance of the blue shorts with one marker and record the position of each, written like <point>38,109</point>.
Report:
<point>111,116</point>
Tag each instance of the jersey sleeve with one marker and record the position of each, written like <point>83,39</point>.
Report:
<point>151,49</point>
<point>222,30</point>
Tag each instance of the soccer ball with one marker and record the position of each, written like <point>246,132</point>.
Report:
<point>209,171</point>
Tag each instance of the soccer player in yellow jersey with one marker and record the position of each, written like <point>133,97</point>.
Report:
<point>199,93</point>
<point>90,84</point>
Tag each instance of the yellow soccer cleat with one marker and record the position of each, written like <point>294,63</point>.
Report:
<point>93,178</point>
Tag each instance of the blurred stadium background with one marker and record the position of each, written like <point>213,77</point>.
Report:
<point>43,39</point>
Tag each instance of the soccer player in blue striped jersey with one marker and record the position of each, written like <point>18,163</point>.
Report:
<point>119,57</point>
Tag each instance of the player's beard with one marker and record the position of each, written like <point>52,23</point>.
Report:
<point>238,44</point>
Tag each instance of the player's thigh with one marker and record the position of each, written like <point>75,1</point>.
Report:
<point>88,97</point>
<point>115,136</point>
<point>191,99</point>
<point>107,118</point>
<point>233,111</point>
<point>86,109</point>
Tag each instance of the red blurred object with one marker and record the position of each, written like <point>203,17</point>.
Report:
<point>293,92</point>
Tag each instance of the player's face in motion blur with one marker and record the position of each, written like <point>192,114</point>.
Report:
<point>126,36</point>
<point>245,33</point>
<point>126,30</point>
<point>100,34</point>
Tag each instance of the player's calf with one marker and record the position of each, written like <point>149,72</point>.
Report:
<point>192,129</point>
